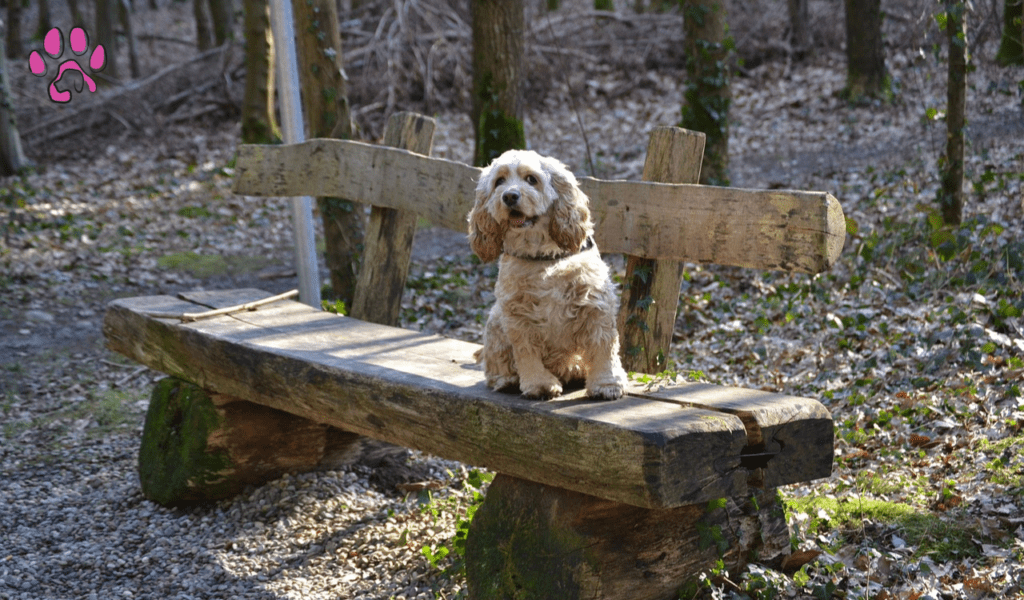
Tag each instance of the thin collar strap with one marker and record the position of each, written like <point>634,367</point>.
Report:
<point>587,245</point>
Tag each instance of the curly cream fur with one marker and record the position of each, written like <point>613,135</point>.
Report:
<point>554,319</point>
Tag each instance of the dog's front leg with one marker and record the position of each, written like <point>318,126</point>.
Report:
<point>535,381</point>
<point>606,379</point>
<point>499,364</point>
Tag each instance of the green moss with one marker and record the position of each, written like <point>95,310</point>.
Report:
<point>928,532</point>
<point>175,467</point>
<point>519,554</point>
<point>208,265</point>
<point>497,130</point>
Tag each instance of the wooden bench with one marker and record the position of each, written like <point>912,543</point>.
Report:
<point>630,498</point>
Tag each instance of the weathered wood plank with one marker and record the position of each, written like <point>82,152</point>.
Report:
<point>389,234</point>
<point>776,229</point>
<point>778,426</point>
<point>650,295</point>
<point>426,392</point>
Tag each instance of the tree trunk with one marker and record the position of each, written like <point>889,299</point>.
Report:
<point>77,20</point>
<point>129,32</point>
<point>259,125</point>
<point>604,5</point>
<point>106,16</point>
<point>14,49</point>
<point>222,15</point>
<point>865,54</point>
<point>45,22</point>
<point>325,105</point>
<point>951,197</point>
<point>1011,47</point>
<point>707,97</point>
<point>799,28</point>
<point>498,46</point>
<point>204,35</point>
<point>11,156</point>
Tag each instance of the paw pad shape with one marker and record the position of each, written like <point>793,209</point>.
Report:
<point>53,46</point>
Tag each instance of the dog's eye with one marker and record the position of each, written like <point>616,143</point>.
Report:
<point>532,179</point>
<point>499,181</point>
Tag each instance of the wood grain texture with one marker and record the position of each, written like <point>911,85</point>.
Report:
<point>426,392</point>
<point>529,540</point>
<point>389,234</point>
<point>775,229</point>
<point>647,314</point>
<point>795,430</point>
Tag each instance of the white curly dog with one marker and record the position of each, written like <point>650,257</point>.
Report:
<point>555,311</point>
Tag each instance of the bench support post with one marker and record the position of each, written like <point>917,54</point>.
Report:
<point>389,234</point>
<point>199,446</point>
<point>532,541</point>
<point>649,300</point>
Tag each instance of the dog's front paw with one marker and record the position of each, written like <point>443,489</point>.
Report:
<point>541,389</point>
<point>501,382</point>
<point>606,391</point>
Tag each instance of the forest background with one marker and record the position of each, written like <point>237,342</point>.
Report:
<point>914,341</point>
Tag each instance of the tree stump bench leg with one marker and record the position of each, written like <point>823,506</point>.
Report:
<point>530,541</point>
<point>200,446</point>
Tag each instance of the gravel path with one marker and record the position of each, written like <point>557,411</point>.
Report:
<point>74,524</point>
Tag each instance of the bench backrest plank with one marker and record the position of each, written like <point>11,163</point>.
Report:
<point>773,229</point>
<point>679,445</point>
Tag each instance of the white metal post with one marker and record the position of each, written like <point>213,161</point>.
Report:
<point>283,26</point>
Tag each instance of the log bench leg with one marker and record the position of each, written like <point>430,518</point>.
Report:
<point>199,446</point>
<point>530,541</point>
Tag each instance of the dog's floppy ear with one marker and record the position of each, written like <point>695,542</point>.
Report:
<point>570,218</point>
<point>486,236</point>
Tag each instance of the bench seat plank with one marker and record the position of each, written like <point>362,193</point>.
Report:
<point>653,449</point>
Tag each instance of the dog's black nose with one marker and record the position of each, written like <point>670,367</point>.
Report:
<point>510,198</point>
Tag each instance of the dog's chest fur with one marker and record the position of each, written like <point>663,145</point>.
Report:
<point>553,293</point>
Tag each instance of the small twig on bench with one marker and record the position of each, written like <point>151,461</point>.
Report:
<point>189,317</point>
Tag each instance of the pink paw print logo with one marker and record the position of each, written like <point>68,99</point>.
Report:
<point>53,45</point>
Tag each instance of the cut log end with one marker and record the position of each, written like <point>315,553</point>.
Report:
<point>835,234</point>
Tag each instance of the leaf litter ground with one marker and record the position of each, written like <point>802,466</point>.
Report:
<point>914,341</point>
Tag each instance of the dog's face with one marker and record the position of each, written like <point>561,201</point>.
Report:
<point>531,202</point>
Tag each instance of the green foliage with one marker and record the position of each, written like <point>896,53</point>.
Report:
<point>943,539</point>
<point>337,307</point>
<point>194,212</point>
<point>453,553</point>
